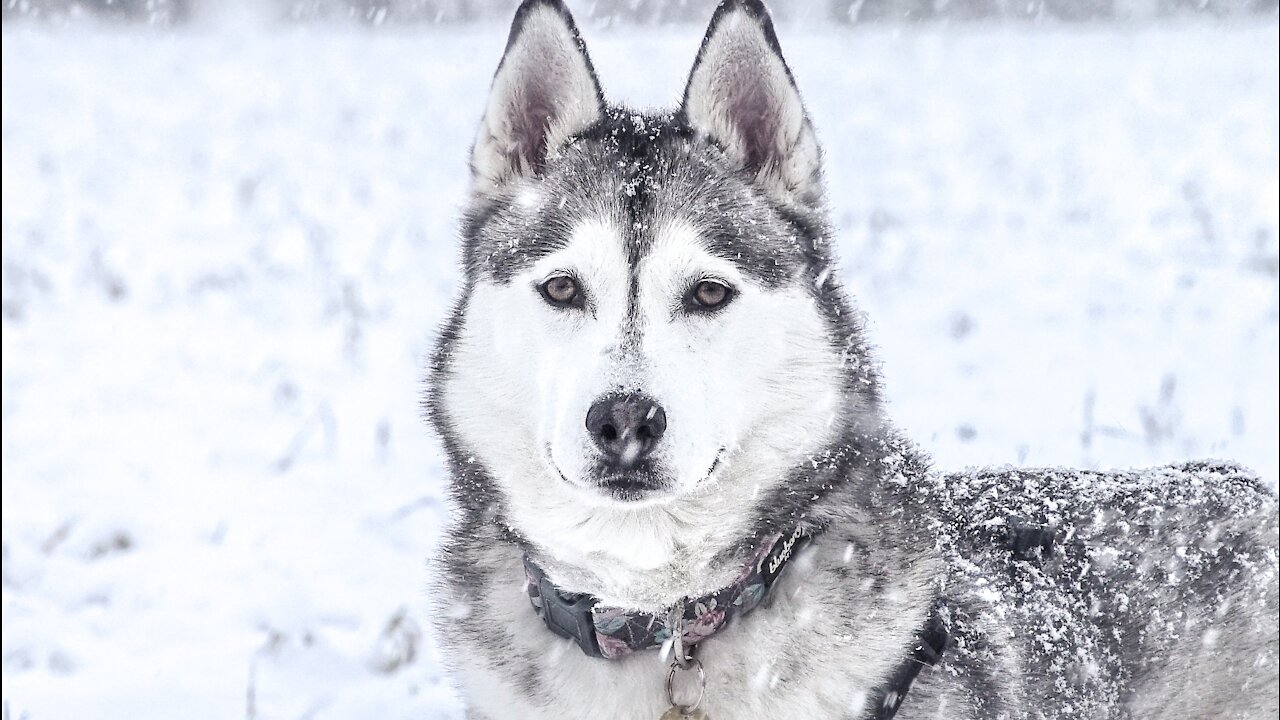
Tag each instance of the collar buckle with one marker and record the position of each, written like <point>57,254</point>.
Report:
<point>568,616</point>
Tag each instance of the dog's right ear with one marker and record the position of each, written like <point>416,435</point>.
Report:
<point>544,92</point>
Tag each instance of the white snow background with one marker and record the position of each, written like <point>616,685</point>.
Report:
<point>225,255</point>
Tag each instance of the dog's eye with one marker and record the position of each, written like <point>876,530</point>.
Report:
<point>709,295</point>
<point>561,291</point>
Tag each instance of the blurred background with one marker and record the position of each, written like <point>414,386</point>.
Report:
<point>632,12</point>
<point>229,236</point>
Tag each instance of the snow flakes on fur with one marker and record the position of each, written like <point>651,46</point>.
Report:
<point>1099,575</point>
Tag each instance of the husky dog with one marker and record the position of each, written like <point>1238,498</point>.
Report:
<point>677,492</point>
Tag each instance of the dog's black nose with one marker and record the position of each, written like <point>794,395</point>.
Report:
<point>626,428</point>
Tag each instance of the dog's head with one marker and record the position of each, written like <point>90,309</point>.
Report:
<point>650,318</point>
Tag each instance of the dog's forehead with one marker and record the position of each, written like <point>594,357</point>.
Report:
<point>644,175</point>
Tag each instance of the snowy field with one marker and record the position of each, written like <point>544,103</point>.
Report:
<point>225,254</point>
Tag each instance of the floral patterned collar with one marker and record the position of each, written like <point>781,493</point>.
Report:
<point>610,632</point>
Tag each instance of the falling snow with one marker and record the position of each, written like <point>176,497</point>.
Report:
<point>225,255</point>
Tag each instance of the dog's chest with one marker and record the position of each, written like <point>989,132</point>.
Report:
<point>742,681</point>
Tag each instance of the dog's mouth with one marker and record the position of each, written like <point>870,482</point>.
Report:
<point>646,481</point>
<point>632,485</point>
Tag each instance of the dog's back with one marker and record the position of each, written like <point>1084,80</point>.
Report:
<point>1146,594</point>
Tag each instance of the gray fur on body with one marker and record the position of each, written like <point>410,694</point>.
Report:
<point>1157,598</point>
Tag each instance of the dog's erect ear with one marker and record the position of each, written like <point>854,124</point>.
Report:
<point>741,94</point>
<point>545,90</point>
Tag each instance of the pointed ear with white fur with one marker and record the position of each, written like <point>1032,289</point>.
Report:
<point>544,91</point>
<point>741,94</point>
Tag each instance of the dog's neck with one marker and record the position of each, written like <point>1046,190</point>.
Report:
<point>650,558</point>
<point>645,558</point>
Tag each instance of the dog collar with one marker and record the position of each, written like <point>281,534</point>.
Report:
<point>610,632</point>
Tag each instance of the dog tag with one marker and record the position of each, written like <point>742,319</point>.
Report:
<point>678,713</point>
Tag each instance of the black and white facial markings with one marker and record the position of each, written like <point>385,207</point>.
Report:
<point>647,293</point>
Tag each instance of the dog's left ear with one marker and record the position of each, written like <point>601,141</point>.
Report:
<point>742,95</point>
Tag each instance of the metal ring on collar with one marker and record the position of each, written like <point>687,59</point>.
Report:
<point>675,621</point>
<point>702,685</point>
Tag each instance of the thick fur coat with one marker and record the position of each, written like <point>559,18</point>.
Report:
<point>594,239</point>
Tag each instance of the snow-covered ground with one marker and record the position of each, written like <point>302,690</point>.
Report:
<point>225,254</point>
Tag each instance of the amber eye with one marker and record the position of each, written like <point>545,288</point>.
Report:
<point>709,295</point>
<point>562,291</point>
